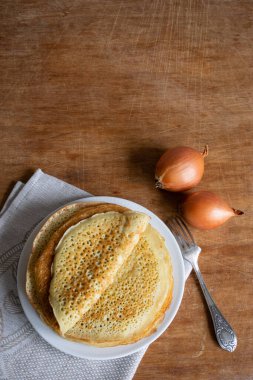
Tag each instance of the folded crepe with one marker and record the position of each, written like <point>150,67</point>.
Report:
<point>134,304</point>
<point>98,274</point>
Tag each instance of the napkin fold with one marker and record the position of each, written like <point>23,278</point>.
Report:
<point>24,355</point>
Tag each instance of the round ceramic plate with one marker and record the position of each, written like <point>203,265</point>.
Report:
<point>91,352</point>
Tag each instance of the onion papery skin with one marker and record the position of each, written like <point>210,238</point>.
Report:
<point>180,168</point>
<point>205,210</point>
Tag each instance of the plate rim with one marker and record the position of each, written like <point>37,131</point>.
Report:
<point>103,353</point>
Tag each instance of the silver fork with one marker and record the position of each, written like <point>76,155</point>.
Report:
<point>224,333</point>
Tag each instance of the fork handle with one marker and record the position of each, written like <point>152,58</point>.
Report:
<point>224,333</point>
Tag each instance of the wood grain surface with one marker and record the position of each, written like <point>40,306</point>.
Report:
<point>93,91</point>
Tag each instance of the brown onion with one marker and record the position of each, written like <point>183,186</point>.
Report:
<point>205,210</point>
<point>180,168</point>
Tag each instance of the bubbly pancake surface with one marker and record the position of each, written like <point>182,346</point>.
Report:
<point>87,259</point>
<point>135,302</point>
<point>38,274</point>
<point>130,307</point>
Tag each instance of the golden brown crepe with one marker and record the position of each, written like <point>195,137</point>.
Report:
<point>135,303</point>
<point>135,297</point>
<point>87,259</point>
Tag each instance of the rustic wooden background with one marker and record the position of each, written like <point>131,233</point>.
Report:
<point>93,91</point>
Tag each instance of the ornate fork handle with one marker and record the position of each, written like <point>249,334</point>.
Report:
<point>224,333</point>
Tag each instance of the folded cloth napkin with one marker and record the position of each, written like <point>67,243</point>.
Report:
<point>24,355</point>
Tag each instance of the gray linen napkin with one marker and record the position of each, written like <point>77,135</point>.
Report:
<point>24,355</point>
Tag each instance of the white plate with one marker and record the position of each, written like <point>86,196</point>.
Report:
<point>91,352</point>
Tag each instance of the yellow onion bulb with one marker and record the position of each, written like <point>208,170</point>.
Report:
<point>180,168</point>
<point>205,210</point>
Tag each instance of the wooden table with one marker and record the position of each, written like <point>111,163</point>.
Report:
<point>93,91</point>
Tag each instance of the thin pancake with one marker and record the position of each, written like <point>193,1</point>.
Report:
<point>133,306</point>
<point>149,251</point>
<point>39,268</point>
<point>87,259</point>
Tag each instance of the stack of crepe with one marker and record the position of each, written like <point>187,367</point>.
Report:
<point>100,273</point>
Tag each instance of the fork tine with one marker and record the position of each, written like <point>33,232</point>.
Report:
<point>181,230</point>
<point>176,232</point>
<point>185,229</point>
<point>171,224</point>
<point>183,234</point>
